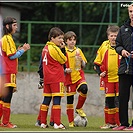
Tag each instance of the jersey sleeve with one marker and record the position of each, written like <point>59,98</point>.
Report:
<point>8,45</point>
<point>57,54</point>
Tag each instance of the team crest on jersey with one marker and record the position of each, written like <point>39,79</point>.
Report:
<point>126,29</point>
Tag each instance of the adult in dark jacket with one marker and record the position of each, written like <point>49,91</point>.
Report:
<point>124,47</point>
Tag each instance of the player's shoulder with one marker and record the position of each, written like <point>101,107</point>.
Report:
<point>105,43</point>
<point>7,37</point>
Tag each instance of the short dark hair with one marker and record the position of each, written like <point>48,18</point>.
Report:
<point>9,21</point>
<point>54,32</point>
<point>69,34</point>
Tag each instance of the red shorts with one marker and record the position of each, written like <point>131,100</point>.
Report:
<point>72,88</point>
<point>10,80</point>
<point>111,89</point>
<point>55,89</point>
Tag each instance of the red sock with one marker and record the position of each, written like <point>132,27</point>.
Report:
<point>81,100</point>
<point>111,116</point>
<point>6,113</point>
<point>52,115</point>
<point>117,121</point>
<point>44,112</point>
<point>39,115</point>
<point>1,108</point>
<point>70,112</point>
<point>57,114</point>
<point>106,115</point>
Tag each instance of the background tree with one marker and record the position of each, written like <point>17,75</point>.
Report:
<point>71,12</point>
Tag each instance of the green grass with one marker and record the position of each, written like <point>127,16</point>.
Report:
<point>26,122</point>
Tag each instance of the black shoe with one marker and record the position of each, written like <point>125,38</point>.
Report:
<point>51,123</point>
<point>38,123</point>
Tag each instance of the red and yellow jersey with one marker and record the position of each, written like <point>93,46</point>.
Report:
<point>105,43</point>
<point>75,75</point>
<point>109,61</point>
<point>53,60</point>
<point>1,60</point>
<point>9,49</point>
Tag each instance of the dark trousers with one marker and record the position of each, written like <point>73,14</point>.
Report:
<point>125,82</point>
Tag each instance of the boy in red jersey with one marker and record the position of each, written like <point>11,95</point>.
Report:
<point>106,64</point>
<point>40,86</point>
<point>10,59</point>
<point>75,78</point>
<point>53,72</point>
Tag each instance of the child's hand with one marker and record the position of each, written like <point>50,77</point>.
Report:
<point>26,47</point>
<point>20,47</point>
<point>131,54</point>
<point>103,74</point>
<point>62,45</point>
<point>68,70</point>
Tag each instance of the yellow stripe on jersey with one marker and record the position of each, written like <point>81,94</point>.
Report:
<point>105,43</point>
<point>56,53</point>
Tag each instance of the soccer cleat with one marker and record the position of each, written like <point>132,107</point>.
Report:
<point>9,125</point>
<point>44,125</point>
<point>119,128</point>
<point>51,123</point>
<point>71,124</point>
<point>113,125</point>
<point>107,126</point>
<point>80,112</point>
<point>38,123</point>
<point>61,126</point>
<point>129,128</point>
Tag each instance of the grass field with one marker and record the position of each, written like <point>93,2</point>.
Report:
<point>26,123</point>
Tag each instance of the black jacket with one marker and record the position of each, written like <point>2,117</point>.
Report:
<point>124,40</point>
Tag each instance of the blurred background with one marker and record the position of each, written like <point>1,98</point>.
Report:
<point>89,20</point>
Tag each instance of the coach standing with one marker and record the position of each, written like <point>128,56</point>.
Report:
<point>124,47</point>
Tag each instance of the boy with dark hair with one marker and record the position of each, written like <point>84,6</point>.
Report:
<point>75,78</point>
<point>53,60</point>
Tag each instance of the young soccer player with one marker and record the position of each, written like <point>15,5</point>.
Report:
<point>75,78</point>
<point>106,65</point>
<point>1,80</point>
<point>53,60</point>
<point>40,86</point>
<point>10,59</point>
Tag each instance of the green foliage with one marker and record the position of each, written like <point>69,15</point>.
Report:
<point>87,34</point>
